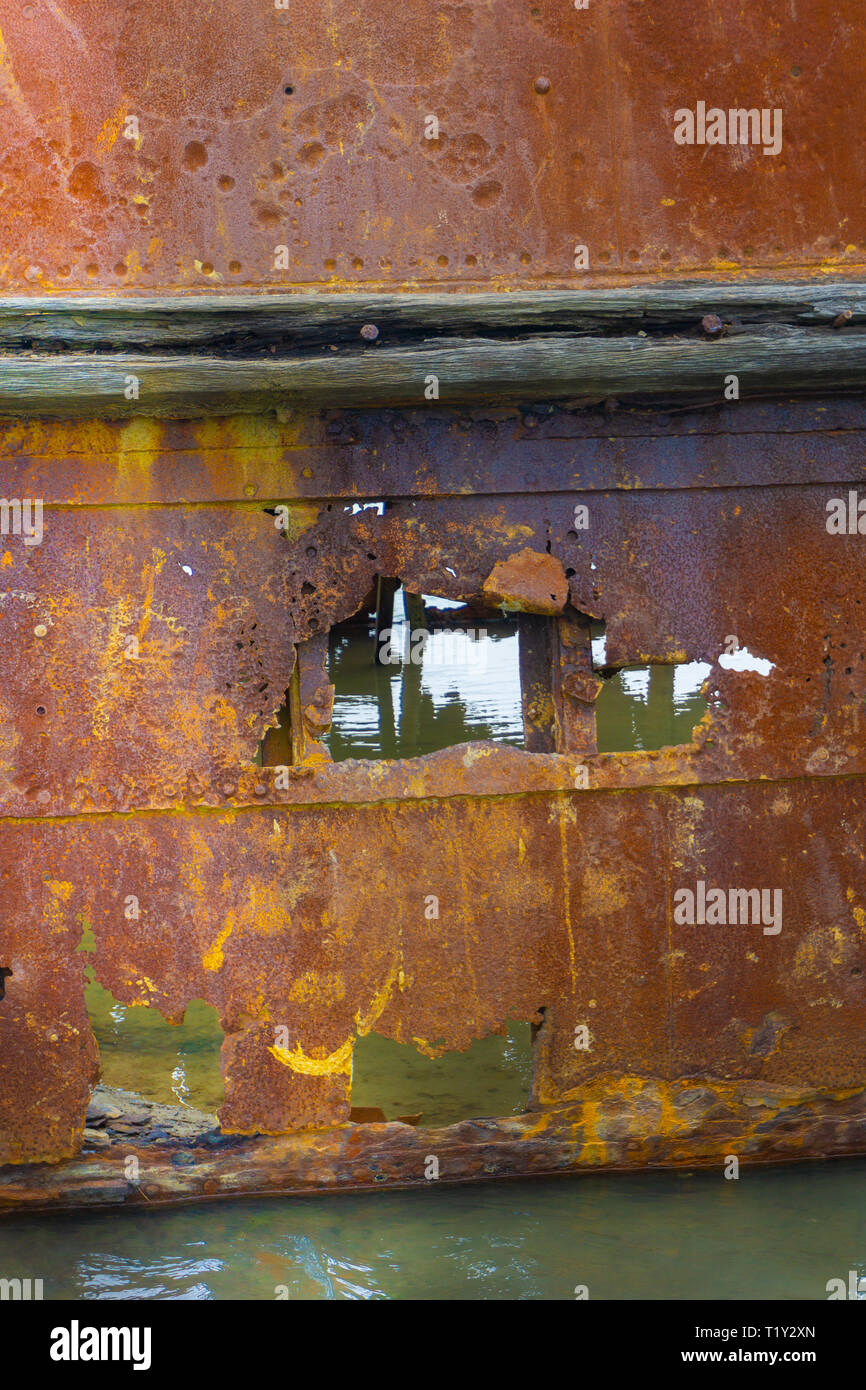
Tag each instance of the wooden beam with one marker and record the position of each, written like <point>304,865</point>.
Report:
<point>247,320</point>
<point>579,369</point>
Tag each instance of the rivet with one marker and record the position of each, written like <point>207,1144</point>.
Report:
<point>227,788</point>
<point>260,789</point>
<point>712,326</point>
<point>40,630</point>
<point>369,331</point>
<point>542,85</point>
<point>43,796</point>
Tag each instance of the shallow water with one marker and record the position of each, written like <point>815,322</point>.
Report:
<point>779,1233</point>
<point>782,1233</point>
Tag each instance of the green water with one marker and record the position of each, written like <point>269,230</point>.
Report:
<point>772,1234</point>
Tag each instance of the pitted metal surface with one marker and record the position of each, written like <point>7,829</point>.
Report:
<point>148,144</point>
<point>149,642</point>
<point>170,814</point>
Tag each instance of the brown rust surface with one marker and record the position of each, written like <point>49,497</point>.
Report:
<point>292,897</point>
<point>556,129</point>
<point>627,1124</point>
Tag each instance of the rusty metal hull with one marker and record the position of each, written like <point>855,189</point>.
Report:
<point>200,374</point>
<point>292,898</point>
<point>556,128</point>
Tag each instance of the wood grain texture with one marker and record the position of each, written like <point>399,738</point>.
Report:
<point>546,368</point>
<point>190,357</point>
<point>188,320</point>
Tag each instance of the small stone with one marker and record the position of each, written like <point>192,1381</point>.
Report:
<point>97,1138</point>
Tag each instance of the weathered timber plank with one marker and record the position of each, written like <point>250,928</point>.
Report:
<point>198,320</point>
<point>547,368</point>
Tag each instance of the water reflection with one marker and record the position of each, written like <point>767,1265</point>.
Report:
<point>782,1234</point>
<point>461,689</point>
<point>646,707</point>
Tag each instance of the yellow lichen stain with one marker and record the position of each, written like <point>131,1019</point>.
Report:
<point>336,1063</point>
<point>594,1149</point>
<point>110,681</point>
<point>378,1003</point>
<point>859,912</point>
<point>54,915</point>
<point>7,559</point>
<point>147,985</point>
<point>214,957</point>
<point>139,442</point>
<point>60,888</point>
<point>317,987</point>
<point>340,1060</point>
<point>110,131</point>
<point>824,949</point>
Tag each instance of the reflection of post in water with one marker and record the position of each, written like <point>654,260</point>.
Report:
<point>433,693</point>
<point>385,591</point>
<point>661,706</point>
<point>387,724</point>
<point>410,690</point>
<point>411,700</point>
<point>616,718</point>
<point>416,612</point>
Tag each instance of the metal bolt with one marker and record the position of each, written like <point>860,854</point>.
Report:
<point>712,326</point>
<point>369,332</point>
<point>542,85</point>
<point>841,319</point>
<point>40,630</point>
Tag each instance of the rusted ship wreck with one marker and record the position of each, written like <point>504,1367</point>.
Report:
<point>470,265</point>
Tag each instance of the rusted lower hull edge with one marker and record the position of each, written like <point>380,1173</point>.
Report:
<point>621,1126</point>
